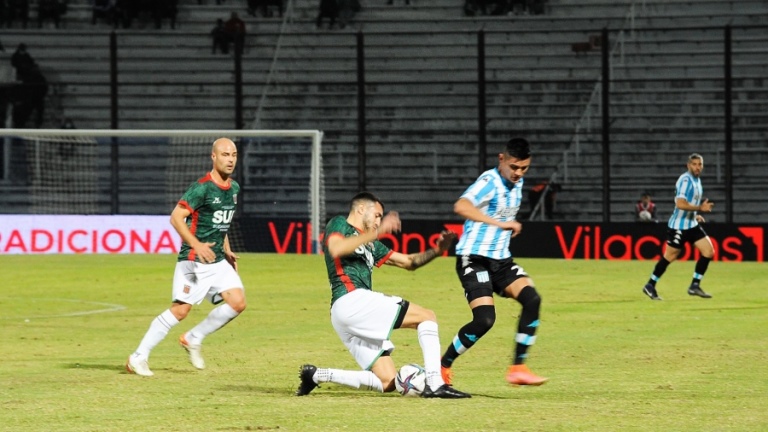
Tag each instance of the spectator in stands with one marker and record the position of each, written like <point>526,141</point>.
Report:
<point>220,38</point>
<point>7,85</point>
<point>162,9</point>
<point>31,96</point>
<point>103,9</point>
<point>328,9</point>
<point>67,124</point>
<point>549,191</point>
<point>645,209</point>
<point>263,6</point>
<point>235,30</point>
<point>536,7</point>
<point>347,11</point>
<point>16,10</point>
<point>52,9</point>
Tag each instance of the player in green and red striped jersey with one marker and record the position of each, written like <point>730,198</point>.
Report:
<point>363,318</point>
<point>206,267</point>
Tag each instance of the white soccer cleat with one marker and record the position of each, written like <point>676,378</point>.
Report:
<point>194,351</point>
<point>138,366</point>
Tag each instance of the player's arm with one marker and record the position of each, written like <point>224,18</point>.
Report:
<point>416,260</point>
<point>339,246</point>
<point>683,204</point>
<point>178,221</point>
<point>464,208</point>
<point>230,256</point>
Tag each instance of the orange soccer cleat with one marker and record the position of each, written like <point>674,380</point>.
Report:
<point>521,375</point>
<point>447,375</point>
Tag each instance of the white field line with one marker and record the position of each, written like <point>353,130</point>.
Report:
<point>109,307</point>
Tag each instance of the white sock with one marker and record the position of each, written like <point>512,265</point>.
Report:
<point>218,318</point>
<point>366,380</point>
<point>158,330</point>
<point>430,347</point>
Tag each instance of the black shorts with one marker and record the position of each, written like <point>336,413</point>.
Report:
<point>678,238</point>
<point>481,276</point>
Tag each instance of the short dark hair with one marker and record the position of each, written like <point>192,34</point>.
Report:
<point>364,197</point>
<point>518,148</point>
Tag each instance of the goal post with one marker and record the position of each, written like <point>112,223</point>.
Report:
<point>142,172</point>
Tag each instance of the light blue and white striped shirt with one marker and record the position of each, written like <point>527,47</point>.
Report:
<point>499,199</point>
<point>689,188</point>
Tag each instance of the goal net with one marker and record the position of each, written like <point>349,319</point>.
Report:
<point>145,172</point>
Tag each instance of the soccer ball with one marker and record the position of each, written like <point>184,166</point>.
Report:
<point>411,380</point>
<point>645,215</point>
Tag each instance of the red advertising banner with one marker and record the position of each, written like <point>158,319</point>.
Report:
<point>568,240</point>
<point>62,234</point>
<point>76,234</point>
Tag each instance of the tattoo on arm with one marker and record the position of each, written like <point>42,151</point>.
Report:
<point>419,260</point>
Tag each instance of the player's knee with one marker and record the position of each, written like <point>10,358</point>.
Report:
<point>238,306</point>
<point>529,298</point>
<point>235,298</point>
<point>430,315</point>
<point>484,317</point>
<point>180,311</point>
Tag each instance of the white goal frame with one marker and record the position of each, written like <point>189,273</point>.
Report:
<point>316,180</point>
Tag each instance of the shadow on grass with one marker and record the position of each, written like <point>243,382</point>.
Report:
<point>119,368</point>
<point>94,366</point>
<point>561,302</point>
<point>333,393</point>
<point>728,308</point>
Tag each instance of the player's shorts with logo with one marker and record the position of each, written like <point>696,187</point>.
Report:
<point>364,321</point>
<point>482,276</point>
<point>678,238</point>
<point>194,281</point>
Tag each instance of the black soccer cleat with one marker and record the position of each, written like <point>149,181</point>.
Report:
<point>444,392</point>
<point>307,383</point>
<point>650,291</point>
<point>695,290</point>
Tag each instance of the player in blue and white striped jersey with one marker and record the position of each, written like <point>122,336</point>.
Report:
<point>683,227</point>
<point>484,263</point>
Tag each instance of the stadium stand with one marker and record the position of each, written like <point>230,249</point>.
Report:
<point>421,92</point>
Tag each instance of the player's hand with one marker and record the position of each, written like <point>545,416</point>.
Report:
<point>514,226</point>
<point>390,223</point>
<point>231,258</point>
<point>205,253</point>
<point>706,206</point>
<point>446,240</point>
<point>700,219</point>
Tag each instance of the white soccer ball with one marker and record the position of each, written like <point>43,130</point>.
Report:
<point>645,215</point>
<point>411,380</point>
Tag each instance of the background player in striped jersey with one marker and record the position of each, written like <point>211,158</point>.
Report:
<point>484,262</point>
<point>683,227</point>
<point>206,267</point>
<point>363,318</point>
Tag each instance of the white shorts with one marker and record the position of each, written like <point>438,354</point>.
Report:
<point>364,321</point>
<point>194,281</point>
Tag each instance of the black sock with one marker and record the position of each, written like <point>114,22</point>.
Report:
<point>529,322</point>
<point>701,268</point>
<point>661,267</point>
<point>483,318</point>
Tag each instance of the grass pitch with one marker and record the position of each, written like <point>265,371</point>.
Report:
<point>615,359</point>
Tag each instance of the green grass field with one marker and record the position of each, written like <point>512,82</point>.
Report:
<point>615,359</point>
